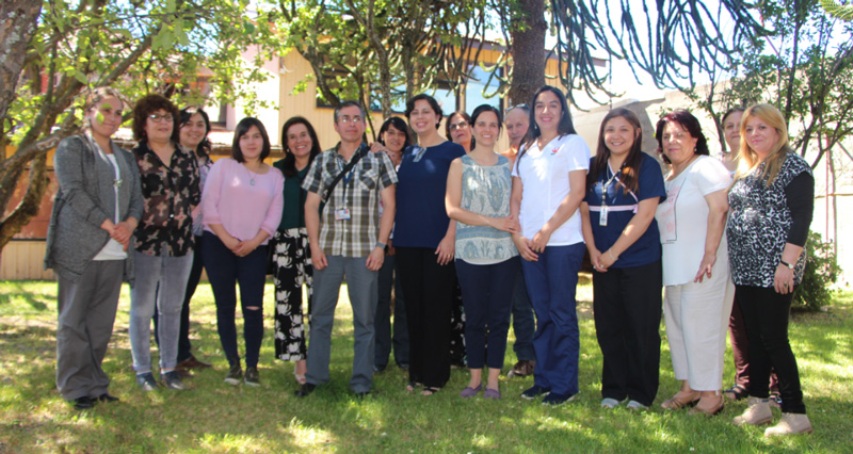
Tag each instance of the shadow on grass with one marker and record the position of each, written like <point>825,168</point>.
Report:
<point>215,417</point>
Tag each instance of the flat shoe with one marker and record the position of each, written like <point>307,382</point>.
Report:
<point>107,397</point>
<point>84,403</point>
<point>678,402</point>
<point>736,392</point>
<point>492,394</point>
<point>713,410</point>
<point>470,392</point>
<point>429,390</point>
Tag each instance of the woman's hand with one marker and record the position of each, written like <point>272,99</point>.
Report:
<point>596,259</point>
<point>607,259</point>
<point>783,281</point>
<point>122,233</point>
<point>445,250</point>
<point>524,250</point>
<point>540,240</point>
<point>245,248</point>
<point>708,262</point>
<point>507,224</point>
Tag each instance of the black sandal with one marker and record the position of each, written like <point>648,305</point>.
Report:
<point>736,392</point>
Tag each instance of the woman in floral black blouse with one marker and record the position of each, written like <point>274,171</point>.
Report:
<point>163,248</point>
<point>771,204</point>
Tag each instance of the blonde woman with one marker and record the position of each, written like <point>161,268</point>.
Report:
<point>771,203</point>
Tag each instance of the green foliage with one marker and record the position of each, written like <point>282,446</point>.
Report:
<point>370,49</point>
<point>822,271</point>
<point>804,67</point>
<point>843,12</point>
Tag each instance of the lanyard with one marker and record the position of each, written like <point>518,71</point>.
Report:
<point>605,185</point>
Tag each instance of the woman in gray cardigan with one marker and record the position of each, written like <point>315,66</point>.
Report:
<point>96,210</point>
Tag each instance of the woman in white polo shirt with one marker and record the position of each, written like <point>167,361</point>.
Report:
<point>547,188</point>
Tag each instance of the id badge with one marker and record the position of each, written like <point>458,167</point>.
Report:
<point>342,214</point>
<point>602,218</point>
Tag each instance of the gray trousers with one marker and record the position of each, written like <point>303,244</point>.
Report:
<point>362,289</point>
<point>159,281</point>
<point>87,311</point>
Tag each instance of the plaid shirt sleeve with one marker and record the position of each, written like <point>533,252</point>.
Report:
<point>314,178</point>
<point>387,174</point>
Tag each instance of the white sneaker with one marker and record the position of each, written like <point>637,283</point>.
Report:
<point>609,402</point>
<point>756,414</point>
<point>790,424</point>
<point>634,405</point>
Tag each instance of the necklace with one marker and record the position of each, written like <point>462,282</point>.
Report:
<point>252,175</point>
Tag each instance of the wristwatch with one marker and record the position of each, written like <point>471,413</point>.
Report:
<point>784,263</point>
<point>380,244</point>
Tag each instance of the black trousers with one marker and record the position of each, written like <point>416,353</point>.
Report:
<point>429,289</point>
<point>627,305</point>
<point>765,315</point>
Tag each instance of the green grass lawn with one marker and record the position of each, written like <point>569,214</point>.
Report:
<point>215,417</point>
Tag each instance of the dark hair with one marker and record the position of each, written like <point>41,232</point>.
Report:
<point>731,111</point>
<point>450,117</point>
<point>203,148</point>
<point>350,103</point>
<point>631,167</point>
<point>148,105</point>
<point>400,125</point>
<point>289,159</point>
<point>410,106</point>
<point>482,108</point>
<point>687,121</point>
<point>565,126</point>
<point>241,130</point>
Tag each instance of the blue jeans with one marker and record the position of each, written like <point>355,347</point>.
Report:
<point>487,295</point>
<point>170,275</point>
<point>551,283</point>
<point>384,339</point>
<point>225,270</point>
<point>361,285</point>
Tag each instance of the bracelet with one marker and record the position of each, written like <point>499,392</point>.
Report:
<point>784,263</point>
<point>610,253</point>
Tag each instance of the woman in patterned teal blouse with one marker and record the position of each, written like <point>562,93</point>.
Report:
<point>478,193</point>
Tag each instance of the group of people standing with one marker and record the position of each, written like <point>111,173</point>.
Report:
<point>434,219</point>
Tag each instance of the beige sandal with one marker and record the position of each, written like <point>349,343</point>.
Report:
<point>679,401</point>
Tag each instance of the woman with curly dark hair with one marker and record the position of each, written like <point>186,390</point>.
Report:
<point>163,250</point>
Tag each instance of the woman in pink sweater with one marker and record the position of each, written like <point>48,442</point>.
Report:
<point>242,206</point>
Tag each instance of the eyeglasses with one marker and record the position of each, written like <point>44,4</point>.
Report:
<point>346,119</point>
<point>160,118</point>
<point>460,125</point>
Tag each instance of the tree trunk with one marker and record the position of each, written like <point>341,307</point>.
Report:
<point>528,51</point>
<point>17,25</point>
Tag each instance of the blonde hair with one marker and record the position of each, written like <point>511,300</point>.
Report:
<point>748,159</point>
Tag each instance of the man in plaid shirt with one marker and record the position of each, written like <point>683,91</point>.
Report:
<point>347,239</point>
